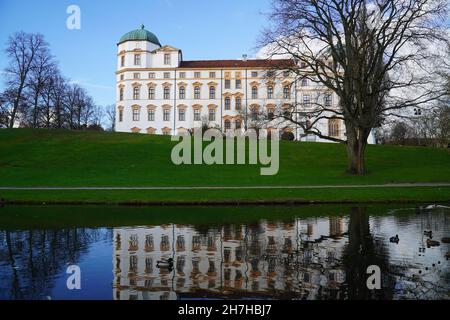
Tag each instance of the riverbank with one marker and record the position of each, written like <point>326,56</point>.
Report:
<point>229,196</point>
<point>309,172</point>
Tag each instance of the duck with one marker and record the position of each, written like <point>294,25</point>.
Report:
<point>165,264</point>
<point>428,233</point>
<point>445,240</point>
<point>394,239</point>
<point>433,243</point>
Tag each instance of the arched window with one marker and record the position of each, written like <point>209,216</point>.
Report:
<point>227,124</point>
<point>197,92</point>
<point>270,92</point>
<point>166,93</point>
<point>182,92</point>
<point>136,92</point>
<point>227,103</point>
<point>287,92</point>
<point>333,127</point>
<point>271,113</point>
<point>238,103</point>
<point>254,114</point>
<point>212,92</point>
<point>255,92</point>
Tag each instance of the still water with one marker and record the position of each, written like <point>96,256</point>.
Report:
<point>312,252</point>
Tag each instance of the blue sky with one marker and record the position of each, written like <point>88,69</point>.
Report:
<point>203,29</point>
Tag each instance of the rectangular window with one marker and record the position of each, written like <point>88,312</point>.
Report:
<point>137,59</point>
<point>227,103</point>
<point>151,75</point>
<point>151,115</point>
<point>328,100</point>
<point>238,84</point>
<point>286,74</point>
<point>120,115</point>
<point>136,93</point>
<point>212,74</point>
<point>121,94</point>
<point>122,77</point>
<point>270,74</point>
<point>182,75</point>
<point>167,58</point>
<point>151,93</point>
<point>197,75</point>
<point>197,93</point>
<point>254,74</point>
<point>181,115</point>
<point>212,92</point>
<point>227,84</point>
<point>136,75</point>
<point>212,114</point>
<point>166,115</point>
<point>306,101</point>
<point>166,75</point>
<point>304,82</point>
<point>166,93</point>
<point>286,92</point>
<point>136,114</point>
<point>122,61</point>
<point>270,93</point>
<point>238,124</point>
<point>197,115</point>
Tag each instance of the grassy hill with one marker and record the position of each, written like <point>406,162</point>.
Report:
<point>31,157</point>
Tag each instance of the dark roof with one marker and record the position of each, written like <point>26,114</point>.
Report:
<point>275,63</point>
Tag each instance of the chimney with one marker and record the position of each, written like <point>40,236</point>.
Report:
<point>244,57</point>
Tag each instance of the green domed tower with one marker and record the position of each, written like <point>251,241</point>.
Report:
<point>140,35</point>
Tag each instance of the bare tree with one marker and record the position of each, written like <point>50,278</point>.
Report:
<point>22,50</point>
<point>373,54</point>
<point>110,111</point>
<point>42,70</point>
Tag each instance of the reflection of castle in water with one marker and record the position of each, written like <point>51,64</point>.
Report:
<point>296,259</point>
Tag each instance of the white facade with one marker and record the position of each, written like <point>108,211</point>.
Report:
<point>160,93</point>
<point>230,260</point>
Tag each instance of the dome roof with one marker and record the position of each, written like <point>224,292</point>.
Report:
<point>140,35</point>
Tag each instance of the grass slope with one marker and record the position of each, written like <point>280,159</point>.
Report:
<point>30,157</point>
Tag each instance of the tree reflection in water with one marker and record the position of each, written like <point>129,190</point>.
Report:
<point>315,257</point>
<point>30,260</point>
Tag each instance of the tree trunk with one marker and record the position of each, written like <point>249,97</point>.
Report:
<point>356,147</point>
<point>355,154</point>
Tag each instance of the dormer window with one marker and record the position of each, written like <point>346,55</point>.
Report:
<point>167,58</point>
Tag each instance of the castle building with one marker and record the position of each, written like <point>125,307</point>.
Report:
<point>160,93</point>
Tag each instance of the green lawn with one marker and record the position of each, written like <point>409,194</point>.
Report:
<point>30,157</point>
